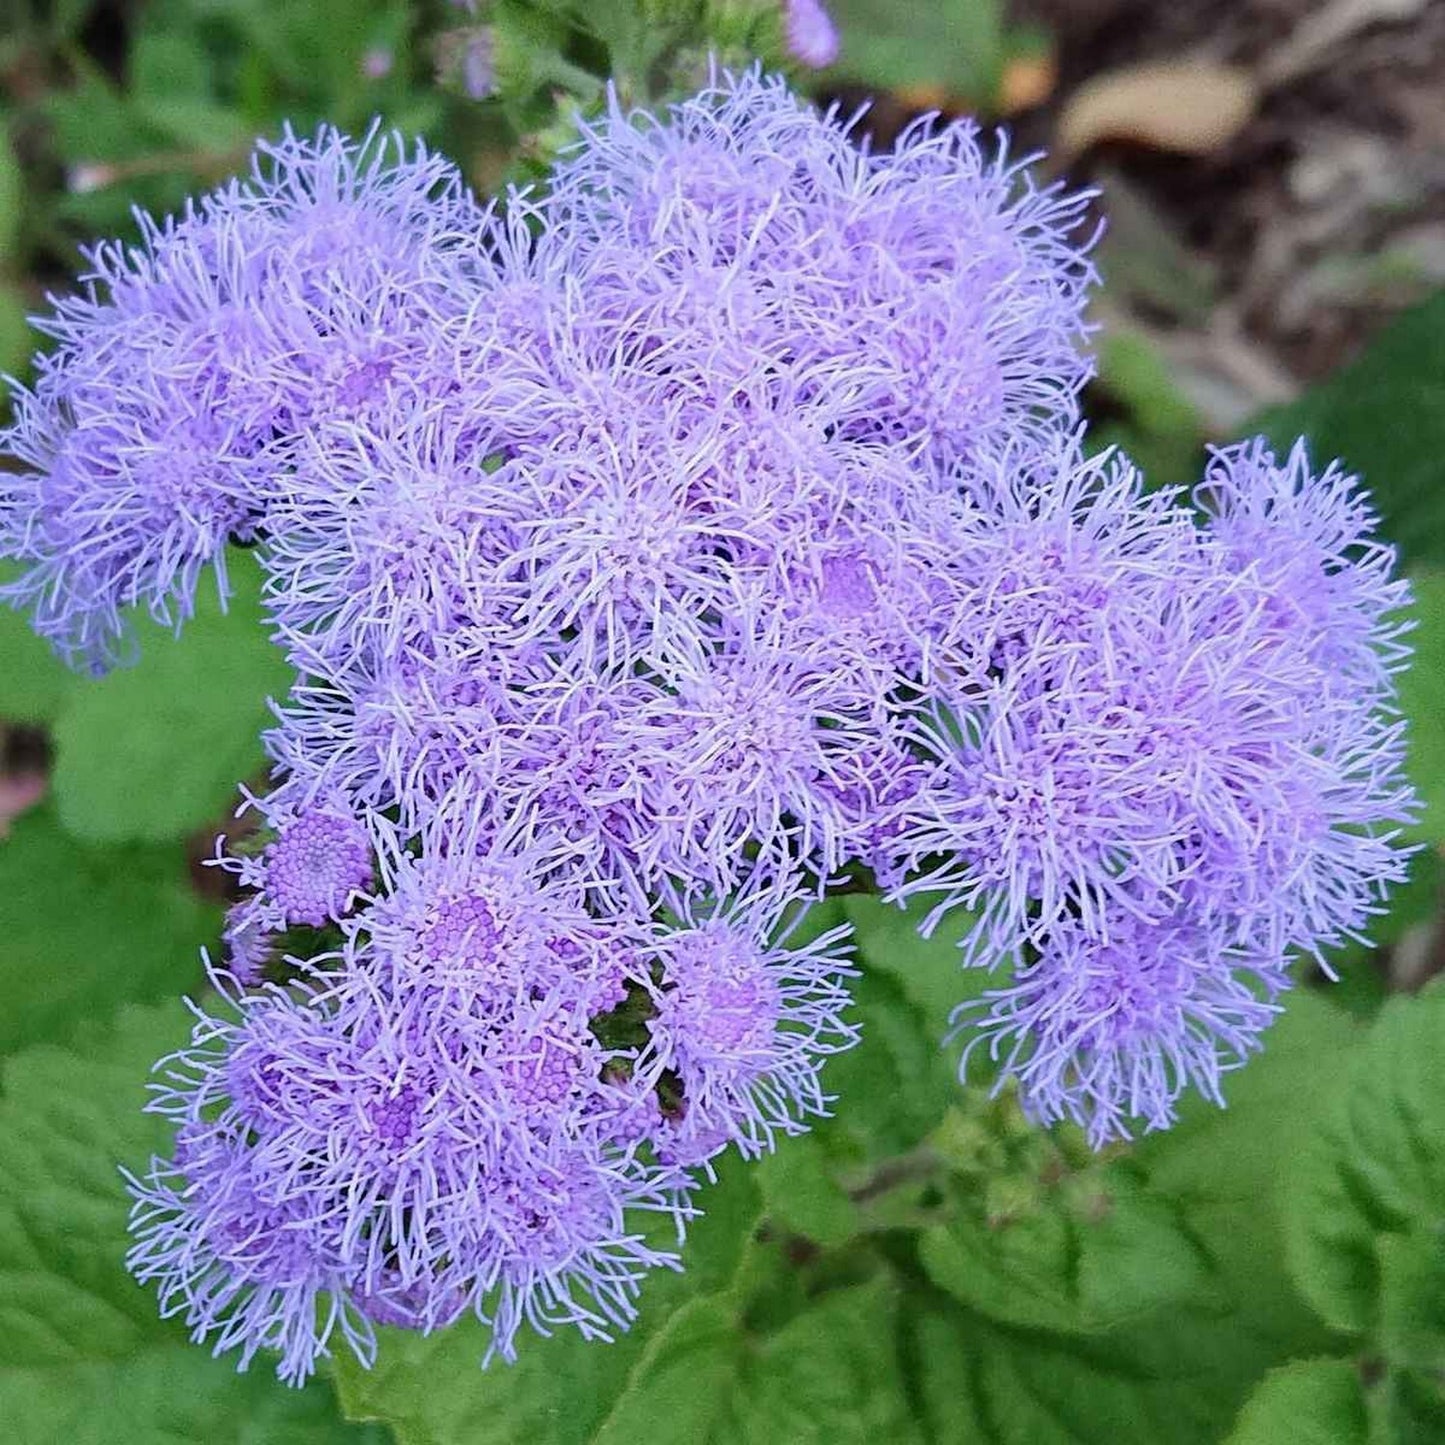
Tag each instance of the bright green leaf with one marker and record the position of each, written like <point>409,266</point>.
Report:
<point>85,1358</point>
<point>1412,1298</point>
<point>1307,1402</point>
<point>1422,700</point>
<point>894,1086</point>
<point>1224,1166</point>
<point>33,681</point>
<point>1087,1254</point>
<point>84,929</point>
<point>1176,1379</point>
<point>168,61</point>
<point>1408,1408</point>
<point>1373,1167</point>
<point>155,750</point>
<point>67,1121</point>
<point>17,340</point>
<point>169,1395</point>
<point>831,1374</point>
<point>802,1192</point>
<point>1385,416</point>
<point>928,971</point>
<point>12,198</point>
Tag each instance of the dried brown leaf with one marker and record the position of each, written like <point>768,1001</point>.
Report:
<point>1189,106</point>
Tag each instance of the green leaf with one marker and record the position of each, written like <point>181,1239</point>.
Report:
<point>33,681</point>
<point>84,1356</point>
<point>1307,1402</point>
<point>802,1192</point>
<point>954,47</point>
<point>1408,1408</point>
<point>891,1088</point>
<point>17,340</point>
<point>1422,701</point>
<point>1176,1379</point>
<point>12,197</point>
<point>156,750</point>
<point>165,1396</point>
<point>929,972</point>
<point>561,1390</point>
<point>1385,417</point>
<point>1373,1168</point>
<point>85,929</point>
<point>66,1123</point>
<point>1412,1298</point>
<point>831,1374</point>
<point>1089,1253</point>
<point>1224,1166</point>
<point>168,61</point>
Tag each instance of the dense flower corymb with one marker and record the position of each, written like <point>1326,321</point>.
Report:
<point>653,556</point>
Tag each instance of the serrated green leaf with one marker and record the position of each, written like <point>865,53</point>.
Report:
<point>928,971</point>
<point>893,1087</point>
<point>66,1124</point>
<point>155,750</point>
<point>1224,1166</point>
<point>84,1356</point>
<point>1412,1298</point>
<point>169,1395</point>
<point>1176,1379</point>
<point>1385,417</point>
<point>831,1374</point>
<point>561,1390</point>
<point>1408,1408</point>
<point>1422,701</point>
<point>1090,1254</point>
<point>1307,1402</point>
<point>802,1192</point>
<point>1374,1164</point>
<point>85,929</point>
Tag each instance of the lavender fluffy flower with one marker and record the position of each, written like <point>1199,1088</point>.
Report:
<point>937,280</point>
<point>182,371</point>
<point>1127,727</point>
<point>1109,1032</point>
<point>743,1023</point>
<point>1311,541</point>
<point>434,1129</point>
<point>316,867</point>
<point>243,1269</point>
<point>812,36</point>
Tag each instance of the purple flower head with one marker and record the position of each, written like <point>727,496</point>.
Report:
<point>130,485</point>
<point>811,34</point>
<point>1044,799</point>
<point>937,281</point>
<point>318,864</point>
<point>743,1022</point>
<point>387,1144</point>
<point>315,868</point>
<point>237,1257</point>
<point>1311,541</point>
<point>182,370</point>
<point>1109,1033</point>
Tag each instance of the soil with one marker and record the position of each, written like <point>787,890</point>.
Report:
<point>1325,214</point>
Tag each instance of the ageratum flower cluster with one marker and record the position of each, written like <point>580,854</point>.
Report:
<point>651,556</point>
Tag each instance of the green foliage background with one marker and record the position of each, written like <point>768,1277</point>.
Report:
<point>923,1267</point>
